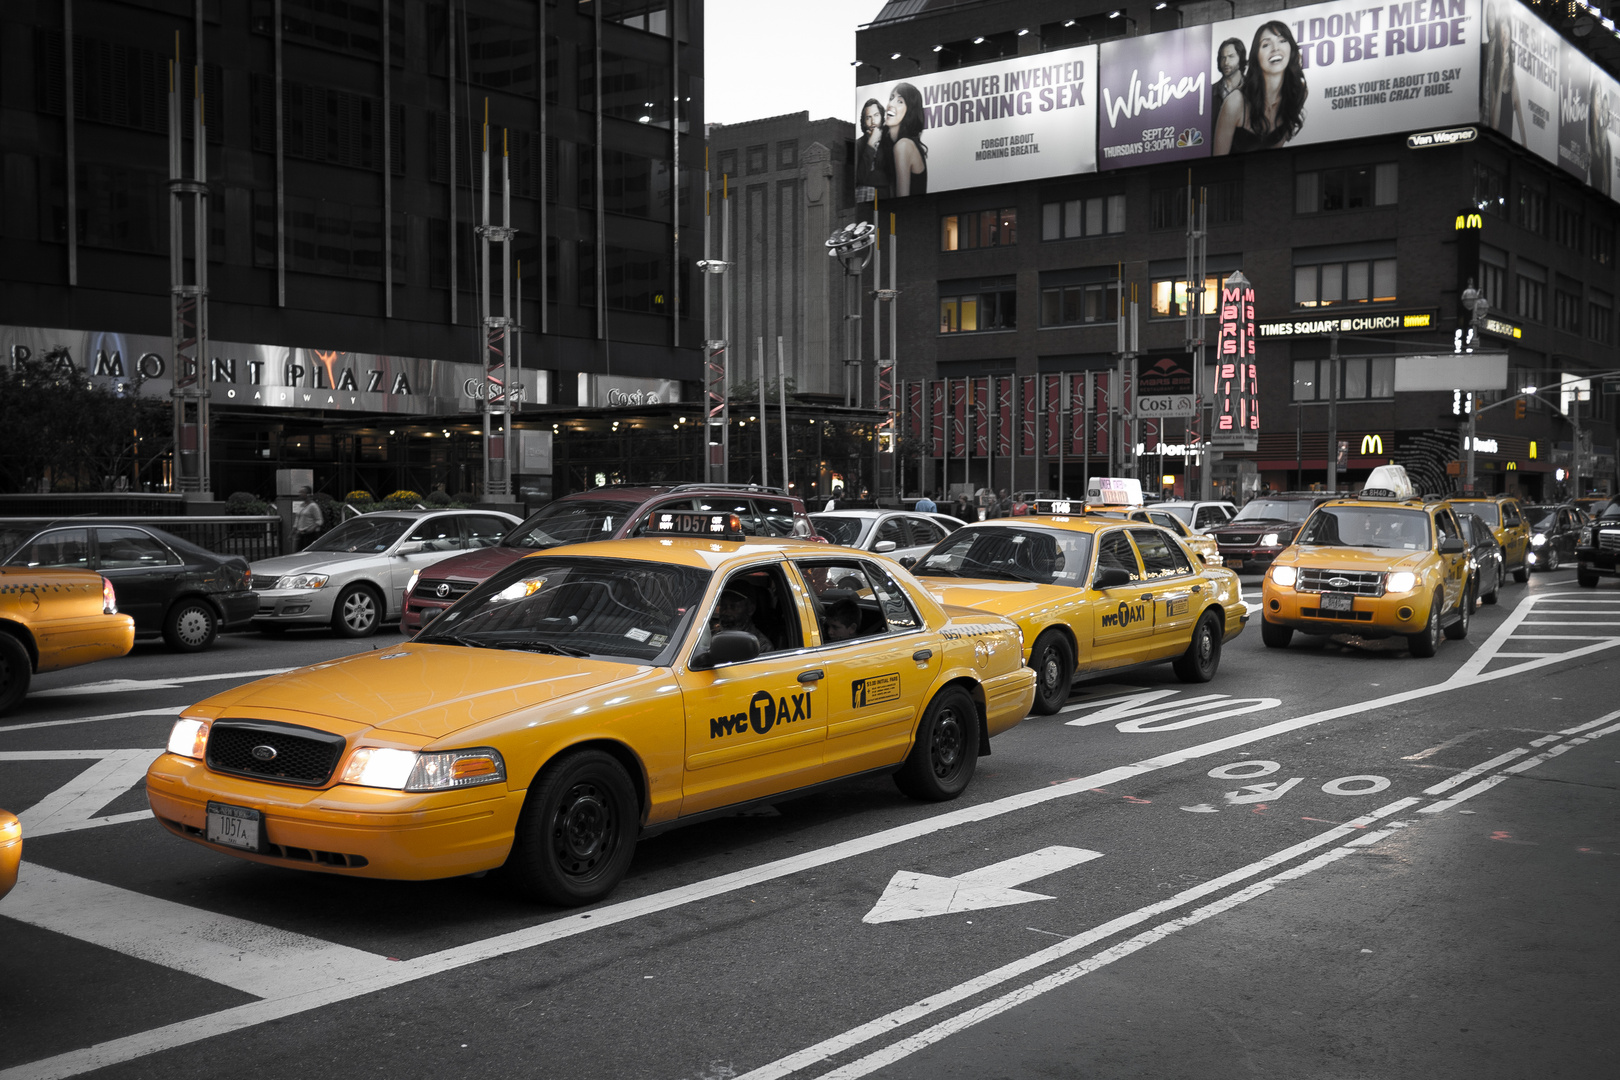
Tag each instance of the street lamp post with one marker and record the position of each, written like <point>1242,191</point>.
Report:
<point>1475,303</point>
<point>852,245</point>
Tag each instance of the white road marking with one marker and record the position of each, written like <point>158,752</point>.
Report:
<point>1257,793</point>
<point>73,805</point>
<point>1517,767</point>
<point>189,1031</point>
<point>1447,745</point>
<point>247,956</point>
<point>911,895</point>
<point>121,686</point>
<point>172,710</point>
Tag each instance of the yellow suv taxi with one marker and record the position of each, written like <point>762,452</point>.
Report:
<point>1508,523</point>
<point>1376,565</point>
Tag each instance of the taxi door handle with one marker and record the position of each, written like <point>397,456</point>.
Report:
<point>1197,588</point>
<point>1147,596</point>
<point>922,654</point>
<point>813,675</point>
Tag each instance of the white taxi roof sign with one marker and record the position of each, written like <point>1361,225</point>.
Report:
<point>1114,491</point>
<point>1389,482</point>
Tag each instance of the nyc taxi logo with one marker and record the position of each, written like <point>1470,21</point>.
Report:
<point>1127,614</point>
<point>765,711</point>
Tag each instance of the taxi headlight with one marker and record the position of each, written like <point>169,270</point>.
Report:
<point>1270,540</point>
<point>410,584</point>
<point>406,770</point>
<point>189,738</point>
<point>1284,575</point>
<point>300,581</point>
<point>1538,540</point>
<point>1400,581</point>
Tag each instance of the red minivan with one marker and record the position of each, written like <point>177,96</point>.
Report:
<point>604,513</point>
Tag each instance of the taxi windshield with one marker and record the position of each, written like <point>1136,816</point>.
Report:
<point>838,528</point>
<point>1042,556</point>
<point>1368,527</point>
<point>1487,512</point>
<point>1275,510</point>
<point>365,533</point>
<point>570,521</point>
<point>605,609</point>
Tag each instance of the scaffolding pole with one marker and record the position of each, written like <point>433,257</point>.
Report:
<point>499,386</point>
<point>189,298</point>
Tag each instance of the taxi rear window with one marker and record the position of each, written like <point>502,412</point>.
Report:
<point>1042,556</point>
<point>1485,511</point>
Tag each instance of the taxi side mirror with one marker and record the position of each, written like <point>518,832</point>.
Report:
<point>728,647</point>
<point>908,561</point>
<point>1111,577</point>
<point>1452,545</point>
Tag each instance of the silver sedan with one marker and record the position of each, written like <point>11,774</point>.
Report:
<point>355,576</point>
<point>895,533</point>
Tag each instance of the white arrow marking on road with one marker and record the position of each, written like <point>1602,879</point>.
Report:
<point>74,805</point>
<point>119,686</point>
<point>1261,792</point>
<point>917,896</point>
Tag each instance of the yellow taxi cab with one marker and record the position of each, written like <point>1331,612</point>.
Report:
<point>52,619</point>
<point>1506,519</point>
<point>1380,564</point>
<point>10,850</point>
<point>1122,497</point>
<point>1091,593</point>
<point>589,694</point>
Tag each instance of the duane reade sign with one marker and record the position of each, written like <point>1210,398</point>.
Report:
<point>1458,371</point>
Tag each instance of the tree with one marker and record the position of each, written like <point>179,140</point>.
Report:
<point>63,428</point>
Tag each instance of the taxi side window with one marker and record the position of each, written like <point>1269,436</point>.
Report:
<point>1161,556</point>
<point>1114,552</point>
<point>1169,521</point>
<point>438,534</point>
<point>124,549</point>
<point>854,599</point>
<point>1510,515</point>
<point>757,600</point>
<point>59,547</point>
<point>1446,526</point>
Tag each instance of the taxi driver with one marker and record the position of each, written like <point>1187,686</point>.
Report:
<point>735,611</point>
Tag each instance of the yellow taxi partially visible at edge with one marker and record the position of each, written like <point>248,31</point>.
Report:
<point>1092,591</point>
<point>1380,564</point>
<point>586,695</point>
<point>1507,522</point>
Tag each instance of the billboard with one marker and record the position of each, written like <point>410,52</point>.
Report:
<point>1586,124</point>
<point>1518,77</point>
<point>1154,98</point>
<point>1022,118</point>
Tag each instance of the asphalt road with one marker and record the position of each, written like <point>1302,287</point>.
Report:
<point>1335,861</point>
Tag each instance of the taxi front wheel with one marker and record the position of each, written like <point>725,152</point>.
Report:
<point>1275,637</point>
<point>16,671</point>
<point>1427,642</point>
<point>946,752</point>
<point>1203,656</point>
<point>1054,672</point>
<point>577,834</point>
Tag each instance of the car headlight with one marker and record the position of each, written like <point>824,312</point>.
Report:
<point>407,770</point>
<point>1270,540</point>
<point>1400,581</point>
<point>410,584</point>
<point>1586,537</point>
<point>1539,540</point>
<point>1284,575</point>
<point>189,738</point>
<point>301,581</point>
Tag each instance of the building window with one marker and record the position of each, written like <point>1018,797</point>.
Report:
<point>1567,226</point>
<point>1600,242</point>
<point>978,229</point>
<point>1600,318</point>
<point>1493,274</point>
<point>1077,305</point>
<point>1567,306</point>
<point>1356,188</point>
<point>1355,281</point>
<point>756,159</point>
<point>649,15</point>
<point>1531,288</point>
<point>1360,379</point>
<point>1490,190</point>
<point>1169,296</point>
<point>1223,204</point>
<point>728,163</point>
<point>1101,215</point>
<point>981,307</point>
<point>632,88</point>
<point>787,155</point>
<point>1530,209</point>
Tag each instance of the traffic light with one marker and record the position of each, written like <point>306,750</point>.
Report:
<point>1518,408</point>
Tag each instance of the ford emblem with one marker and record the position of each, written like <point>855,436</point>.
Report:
<point>1338,582</point>
<point>443,590</point>
<point>264,753</point>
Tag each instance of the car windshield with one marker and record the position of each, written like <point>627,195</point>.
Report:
<point>1610,512</point>
<point>570,521</point>
<point>365,533</point>
<point>1043,556</point>
<point>606,609</point>
<point>1275,510</point>
<point>1488,512</point>
<point>1541,517</point>
<point>838,528</point>
<point>1367,527</point>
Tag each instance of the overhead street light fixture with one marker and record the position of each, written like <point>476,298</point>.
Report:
<point>979,40</point>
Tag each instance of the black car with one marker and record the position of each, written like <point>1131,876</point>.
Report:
<point>1265,525</point>
<point>169,586</point>
<point>1555,533</point>
<point>1487,555</point>
<point>1598,553</point>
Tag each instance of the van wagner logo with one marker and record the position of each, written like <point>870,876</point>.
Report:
<point>1127,614</point>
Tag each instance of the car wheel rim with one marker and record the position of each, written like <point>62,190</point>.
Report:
<point>1051,671</point>
<point>1434,624</point>
<point>358,611</point>
<point>582,836</point>
<point>192,626</point>
<point>1206,648</point>
<point>946,747</point>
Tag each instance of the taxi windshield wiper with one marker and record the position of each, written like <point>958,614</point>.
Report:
<point>534,645</point>
<point>457,639</point>
<point>981,570</point>
<point>932,570</point>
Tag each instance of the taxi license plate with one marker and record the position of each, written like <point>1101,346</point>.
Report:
<point>234,826</point>
<point>1337,602</point>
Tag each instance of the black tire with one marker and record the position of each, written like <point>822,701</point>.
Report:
<point>1054,672</point>
<point>1522,573</point>
<point>1427,642</point>
<point>1465,611</point>
<point>16,671</point>
<point>1203,656</point>
<point>190,626</point>
<point>577,834</point>
<point>946,752</point>
<point>357,613</point>
<point>1550,563</point>
<point>1275,637</point>
<point>1586,579</point>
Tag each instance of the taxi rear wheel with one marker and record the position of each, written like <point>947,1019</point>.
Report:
<point>1203,656</point>
<point>1427,642</point>
<point>1054,672</point>
<point>16,671</point>
<point>946,752</point>
<point>577,834</point>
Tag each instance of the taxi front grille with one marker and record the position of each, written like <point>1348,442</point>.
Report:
<point>1342,616</point>
<point>301,755</point>
<point>1354,582</point>
<point>1609,540</point>
<point>429,589</point>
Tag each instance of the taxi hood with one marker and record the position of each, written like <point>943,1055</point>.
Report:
<point>1335,557</point>
<point>425,690</point>
<point>996,597</point>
